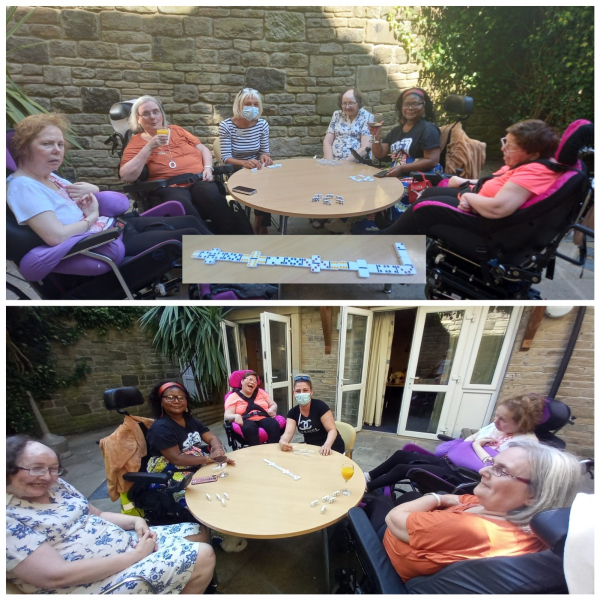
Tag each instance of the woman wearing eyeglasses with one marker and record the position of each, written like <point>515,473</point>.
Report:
<point>427,534</point>
<point>56,542</point>
<point>245,142</point>
<point>529,171</point>
<point>168,150</point>
<point>314,420</point>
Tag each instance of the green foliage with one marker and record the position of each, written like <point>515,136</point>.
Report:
<point>30,331</point>
<point>18,104</point>
<point>519,62</point>
<point>190,336</point>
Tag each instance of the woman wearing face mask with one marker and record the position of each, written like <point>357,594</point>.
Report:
<point>515,420</point>
<point>245,142</point>
<point>314,420</point>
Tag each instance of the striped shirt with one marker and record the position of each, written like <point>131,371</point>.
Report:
<point>243,144</point>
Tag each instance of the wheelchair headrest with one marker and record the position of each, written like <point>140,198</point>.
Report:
<point>119,116</point>
<point>235,379</point>
<point>460,105</point>
<point>552,527</point>
<point>121,398</point>
<point>11,165</point>
<point>20,239</point>
<point>577,136</point>
<point>556,415</point>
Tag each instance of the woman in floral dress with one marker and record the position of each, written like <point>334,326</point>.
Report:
<point>56,542</point>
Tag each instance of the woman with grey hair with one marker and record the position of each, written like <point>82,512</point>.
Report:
<point>245,142</point>
<point>169,150</point>
<point>57,542</point>
<point>426,534</point>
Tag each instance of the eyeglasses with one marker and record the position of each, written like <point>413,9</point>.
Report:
<point>152,113</point>
<point>174,398</point>
<point>500,472</point>
<point>348,104</point>
<point>302,378</point>
<point>504,149</point>
<point>40,471</point>
<point>412,105</point>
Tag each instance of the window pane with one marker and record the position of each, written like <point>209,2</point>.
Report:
<point>436,355</point>
<point>356,333</point>
<point>494,333</point>
<point>277,338</point>
<point>424,411</point>
<point>350,406</point>
<point>232,348</point>
<point>281,398</point>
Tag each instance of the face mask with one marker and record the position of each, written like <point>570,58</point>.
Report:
<point>250,112</point>
<point>302,399</point>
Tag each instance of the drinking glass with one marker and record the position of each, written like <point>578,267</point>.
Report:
<point>347,473</point>
<point>375,126</point>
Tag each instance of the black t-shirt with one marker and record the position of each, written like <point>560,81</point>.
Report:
<point>423,136</point>
<point>312,427</point>
<point>166,433</point>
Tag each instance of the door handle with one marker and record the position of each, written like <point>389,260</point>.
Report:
<point>273,377</point>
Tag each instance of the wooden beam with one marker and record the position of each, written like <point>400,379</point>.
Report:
<point>532,327</point>
<point>326,323</point>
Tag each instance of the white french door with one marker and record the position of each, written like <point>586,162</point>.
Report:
<point>438,347</point>
<point>275,333</point>
<point>230,340</point>
<point>353,359</point>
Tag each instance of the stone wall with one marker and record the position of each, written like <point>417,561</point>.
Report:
<point>119,358</point>
<point>534,370</point>
<point>196,59</point>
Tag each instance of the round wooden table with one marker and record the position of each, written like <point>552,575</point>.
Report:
<point>266,503</point>
<point>288,190</point>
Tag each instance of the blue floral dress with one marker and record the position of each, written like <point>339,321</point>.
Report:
<point>77,535</point>
<point>348,133</point>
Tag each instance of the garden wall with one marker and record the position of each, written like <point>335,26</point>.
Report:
<point>196,59</point>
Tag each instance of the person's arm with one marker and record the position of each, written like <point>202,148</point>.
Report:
<point>264,152</point>
<point>507,201</point>
<point>176,457</point>
<point>207,173</point>
<point>329,423</point>
<point>272,410</point>
<point>288,434</point>
<point>328,146</point>
<point>378,148</point>
<point>455,181</point>
<point>483,456</point>
<point>231,415</point>
<point>132,169</point>
<point>80,189</point>
<point>126,522</point>
<point>397,517</point>
<point>216,446</point>
<point>430,160</point>
<point>46,569</point>
<point>365,142</point>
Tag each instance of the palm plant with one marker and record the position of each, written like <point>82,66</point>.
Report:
<point>18,104</point>
<point>191,337</point>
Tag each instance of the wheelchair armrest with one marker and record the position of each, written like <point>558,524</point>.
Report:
<point>148,478</point>
<point>585,230</point>
<point>145,187</point>
<point>552,526</point>
<point>223,170</point>
<point>444,438</point>
<point>94,240</point>
<point>373,555</point>
<point>469,474</point>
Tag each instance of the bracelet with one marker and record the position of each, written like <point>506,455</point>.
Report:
<point>89,224</point>
<point>436,496</point>
<point>487,459</point>
<point>209,167</point>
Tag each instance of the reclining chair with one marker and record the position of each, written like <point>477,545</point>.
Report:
<point>235,437</point>
<point>537,573</point>
<point>96,266</point>
<point>155,504</point>
<point>503,258</point>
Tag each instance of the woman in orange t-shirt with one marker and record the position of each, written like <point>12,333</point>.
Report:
<point>425,535</point>
<point>511,187</point>
<point>251,407</point>
<point>167,155</point>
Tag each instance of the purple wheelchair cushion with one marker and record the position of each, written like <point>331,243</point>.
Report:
<point>112,204</point>
<point>461,454</point>
<point>262,434</point>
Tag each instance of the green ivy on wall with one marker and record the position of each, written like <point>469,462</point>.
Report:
<point>30,331</point>
<point>519,62</point>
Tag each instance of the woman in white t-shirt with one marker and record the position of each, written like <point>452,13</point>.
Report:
<point>514,420</point>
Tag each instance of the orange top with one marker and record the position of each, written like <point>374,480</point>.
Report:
<point>184,153</point>
<point>534,177</point>
<point>442,537</point>
<point>240,404</point>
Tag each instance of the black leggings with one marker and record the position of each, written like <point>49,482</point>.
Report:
<point>270,425</point>
<point>396,467</point>
<point>419,221</point>
<point>138,236</point>
<point>206,198</point>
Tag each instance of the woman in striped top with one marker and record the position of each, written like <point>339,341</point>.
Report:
<point>245,142</point>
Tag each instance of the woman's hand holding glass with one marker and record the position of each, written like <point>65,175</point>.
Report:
<point>375,126</point>
<point>158,140</point>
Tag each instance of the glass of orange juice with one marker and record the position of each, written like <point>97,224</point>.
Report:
<point>162,131</point>
<point>347,473</point>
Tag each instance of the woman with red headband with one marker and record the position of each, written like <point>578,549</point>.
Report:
<point>415,143</point>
